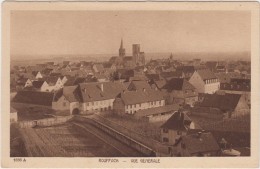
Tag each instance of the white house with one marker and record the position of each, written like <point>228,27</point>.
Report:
<point>205,81</point>
<point>129,102</point>
<point>100,95</point>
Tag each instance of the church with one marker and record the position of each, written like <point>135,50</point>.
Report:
<point>123,61</point>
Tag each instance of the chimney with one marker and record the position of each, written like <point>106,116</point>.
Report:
<point>85,90</point>
<point>143,89</point>
<point>102,87</point>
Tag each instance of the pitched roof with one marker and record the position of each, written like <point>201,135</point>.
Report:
<point>34,97</point>
<point>93,91</point>
<point>223,102</point>
<point>38,84</point>
<point>51,80</point>
<point>199,143</point>
<point>157,110</point>
<point>153,76</point>
<point>139,85</point>
<point>178,121</point>
<point>71,93</point>
<point>206,74</point>
<point>178,84</point>
<point>186,69</point>
<point>35,73</point>
<point>171,74</point>
<point>134,97</point>
<point>160,83</point>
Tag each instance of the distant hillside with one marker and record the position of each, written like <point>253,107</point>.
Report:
<point>27,60</point>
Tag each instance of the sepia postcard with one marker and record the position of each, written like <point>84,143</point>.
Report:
<point>130,84</point>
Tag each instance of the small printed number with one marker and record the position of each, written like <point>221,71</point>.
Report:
<point>19,160</point>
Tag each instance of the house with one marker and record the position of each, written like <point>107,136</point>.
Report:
<point>34,97</point>
<point>67,98</point>
<point>54,82</point>
<point>129,102</point>
<point>139,86</point>
<point>211,65</point>
<point>13,115</point>
<point>40,85</point>
<point>230,104</point>
<point>172,74</point>
<point>37,74</point>
<point>175,127</point>
<point>205,81</point>
<point>186,70</point>
<point>197,144</point>
<point>25,82</point>
<point>157,114</point>
<point>180,91</point>
<point>99,96</point>
<point>238,86</point>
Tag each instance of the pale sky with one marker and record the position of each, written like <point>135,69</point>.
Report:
<point>91,32</point>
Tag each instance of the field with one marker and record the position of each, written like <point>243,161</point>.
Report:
<point>28,112</point>
<point>150,130</point>
<point>65,141</point>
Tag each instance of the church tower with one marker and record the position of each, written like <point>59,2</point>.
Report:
<point>121,49</point>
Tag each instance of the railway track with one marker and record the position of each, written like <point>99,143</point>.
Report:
<point>119,146</point>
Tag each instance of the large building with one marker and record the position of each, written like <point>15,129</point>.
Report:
<point>123,61</point>
<point>205,81</point>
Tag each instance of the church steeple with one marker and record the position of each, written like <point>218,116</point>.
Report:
<point>121,49</point>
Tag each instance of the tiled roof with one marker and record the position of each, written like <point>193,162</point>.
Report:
<point>171,74</point>
<point>34,97</point>
<point>206,74</point>
<point>178,121</point>
<point>223,102</point>
<point>186,69</point>
<point>134,97</point>
<point>71,93</point>
<point>93,91</point>
<point>38,84</point>
<point>160,83</point>
<point>200,143</point>
<point>178,84</point>
<point>51,80</point>
<point>157,110</point>
<point>153,76</point>
<point>139,86</point>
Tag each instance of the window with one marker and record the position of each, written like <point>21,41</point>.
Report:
<point>179,132</point>
<point>166,140</point>
<point>130,106</point>
<point>140,105</point>
<point>165,130</point>
<point>159,102</point>
<point>64,104</point>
